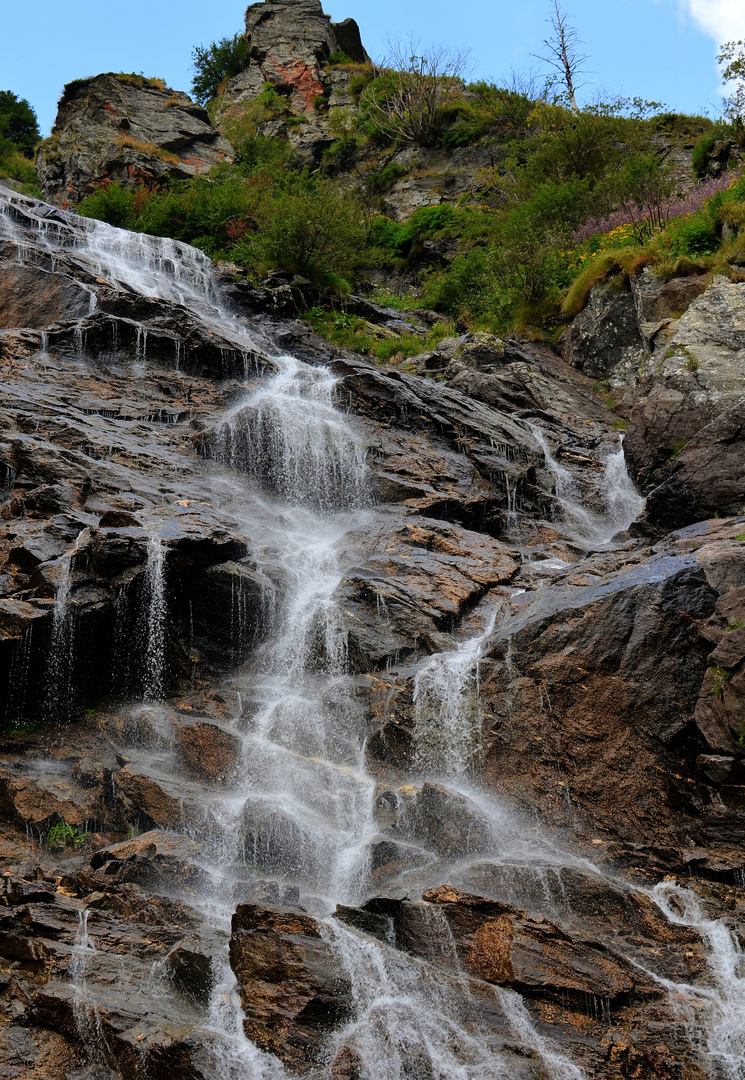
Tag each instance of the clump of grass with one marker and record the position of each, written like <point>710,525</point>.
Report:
<point>149,149</point>
<point>355,334</point>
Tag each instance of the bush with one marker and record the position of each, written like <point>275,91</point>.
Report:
<point>113,204</point>
<point>220,61</point>
<point>316,231</point>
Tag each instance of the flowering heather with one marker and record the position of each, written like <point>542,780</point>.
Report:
<point>633,214</point>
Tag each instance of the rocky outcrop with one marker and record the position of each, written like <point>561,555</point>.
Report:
<point>685,434</point>
<point>129,129</point>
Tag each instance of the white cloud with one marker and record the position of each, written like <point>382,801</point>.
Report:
<point>722,20</point>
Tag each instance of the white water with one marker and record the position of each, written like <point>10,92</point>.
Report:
<point>446,707</point>
<point>717,1009</point>
<point>61,658</point>
<point>157,612</point>
<point>303,814</point>
<point>620,500</point>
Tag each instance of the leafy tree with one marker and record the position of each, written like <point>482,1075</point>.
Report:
<point>731,58</point>
<point>220,61</point>
<point>19,128</point>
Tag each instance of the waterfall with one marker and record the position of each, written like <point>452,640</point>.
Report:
<point>620,500</point>
<point>719,1008</point>
<point>288,436</point>
<point>301,820</point>
<point>447,720</point>
<point>156,620</point>
<point>61,656</point>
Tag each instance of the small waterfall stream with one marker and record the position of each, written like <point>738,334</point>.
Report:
<point>302,814</point>
<point>620,500</point>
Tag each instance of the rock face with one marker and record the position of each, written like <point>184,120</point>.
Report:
<point>450,682</point>
<point>125,128</point>
<point>290,42</point>
<point>686,426</point>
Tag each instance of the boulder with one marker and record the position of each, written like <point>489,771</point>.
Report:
<point>605,335</point>
<point>125,128</point>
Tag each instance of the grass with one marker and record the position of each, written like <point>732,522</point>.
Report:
<point>149,149</point>
<point>355,334</point>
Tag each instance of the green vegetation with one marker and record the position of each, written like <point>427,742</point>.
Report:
<point>357,335</point>
<point>573,196</point>
<point>19,136</point>
<point>64,835</point>
<point>218,63</point>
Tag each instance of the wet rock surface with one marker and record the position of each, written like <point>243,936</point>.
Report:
<point>517,827</point>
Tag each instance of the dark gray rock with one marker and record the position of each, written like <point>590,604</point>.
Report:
<point>125,128</point>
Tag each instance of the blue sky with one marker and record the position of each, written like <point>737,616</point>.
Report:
<point>656,49</point>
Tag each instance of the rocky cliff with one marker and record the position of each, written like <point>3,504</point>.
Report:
<point>125,128</point>
<point>355,719</point>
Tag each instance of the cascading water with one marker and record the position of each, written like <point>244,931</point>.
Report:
<point>155,590</point>
<point>302,815</point>
<point>716,1010</point>
<point>62,640</point>
<point>448,729</point>
<point>621,502</point>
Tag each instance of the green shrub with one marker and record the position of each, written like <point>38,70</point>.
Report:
<point>112,203</point>
<point>694,235</point>
<point>313,230</point>
<point>218,62</point>
<point>339,58</point>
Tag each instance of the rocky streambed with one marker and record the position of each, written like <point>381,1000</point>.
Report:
<point>357,723</point>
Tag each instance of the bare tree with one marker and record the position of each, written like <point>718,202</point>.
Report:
<point>563,52</point>
<point>408,100</point>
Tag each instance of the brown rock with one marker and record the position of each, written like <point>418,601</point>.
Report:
<point>293,988</point>
<point>503,945</point>
<point>208,751</point>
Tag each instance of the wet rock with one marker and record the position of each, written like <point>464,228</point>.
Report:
<point>293,988</point>
<point>422,579</point>
<point>208,751</point>
<point>125,128</point>
<point>158,798</point>
<point>444,822</point>
<point>504,946</point>
<point>606,333</point>
<point>173,849</point>
<point>190,963</point>
<point>41,801</point>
